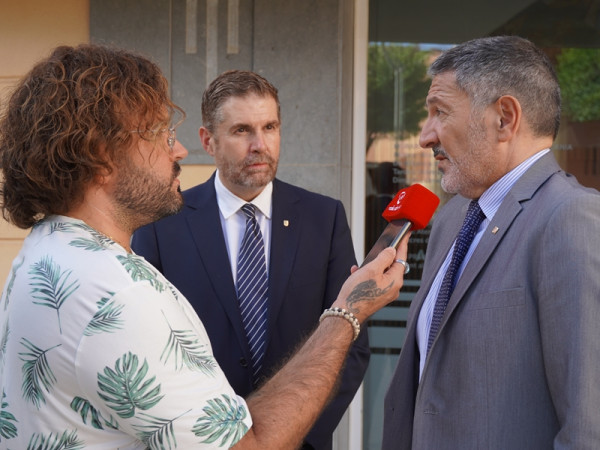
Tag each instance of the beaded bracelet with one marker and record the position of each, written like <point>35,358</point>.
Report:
<point>345,314</point>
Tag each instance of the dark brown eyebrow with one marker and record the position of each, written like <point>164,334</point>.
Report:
<point>247,125</point>
<point>240,125</point>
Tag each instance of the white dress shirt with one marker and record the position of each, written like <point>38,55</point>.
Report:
<point>233,219</point>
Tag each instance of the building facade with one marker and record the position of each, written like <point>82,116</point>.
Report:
<point>352,85</point>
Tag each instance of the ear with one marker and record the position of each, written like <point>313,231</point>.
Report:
<point>103,176</point>
<point>105,172</point>
<point>205,139</point>
<point>509,117</point>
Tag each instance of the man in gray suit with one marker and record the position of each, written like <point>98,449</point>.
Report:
<point>504,353</point>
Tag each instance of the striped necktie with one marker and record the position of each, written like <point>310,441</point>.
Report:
<point>252,287</point>
<point>464,239</point>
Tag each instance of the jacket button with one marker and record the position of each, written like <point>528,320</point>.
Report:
<point>243,362</point>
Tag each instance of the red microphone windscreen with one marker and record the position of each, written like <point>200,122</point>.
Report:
<point>415,203</point>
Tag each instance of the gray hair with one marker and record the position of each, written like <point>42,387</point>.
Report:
<point>491,67</point>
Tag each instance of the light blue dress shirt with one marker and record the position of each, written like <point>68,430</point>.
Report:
<point>489,202</point>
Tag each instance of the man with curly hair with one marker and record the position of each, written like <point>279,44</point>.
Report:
<point>199,249</point>
<point>97,348</point>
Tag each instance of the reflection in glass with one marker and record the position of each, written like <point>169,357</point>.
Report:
<point>569,31</point>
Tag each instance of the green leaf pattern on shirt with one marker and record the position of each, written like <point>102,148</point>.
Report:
<point>37,374</point>
<point>223,420</point>
<point>140,270</point>
<point>7,428</point>
<point>186,350</point>
<point>11,282</point>
<point>126,387</point>
<point>65,227</point>
<point>158,434</point>
<point>66,441</point>
<point>88,412</point>
<point>49,284</point>
<point>4,342</point>
<point>96,243</point>
<point>107,319</point>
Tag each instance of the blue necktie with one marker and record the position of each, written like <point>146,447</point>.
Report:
<point>252,287</point>
<point>464,239</point>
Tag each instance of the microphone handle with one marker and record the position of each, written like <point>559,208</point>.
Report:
<point>391,237</point>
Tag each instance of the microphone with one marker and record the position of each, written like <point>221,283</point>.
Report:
<point>411,209</point>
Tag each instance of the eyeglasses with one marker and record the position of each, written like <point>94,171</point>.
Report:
<point>151,134</point>
<point>171,137</point>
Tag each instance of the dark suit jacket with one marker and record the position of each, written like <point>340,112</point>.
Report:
<point>310,259</point>
<point>516,362</point>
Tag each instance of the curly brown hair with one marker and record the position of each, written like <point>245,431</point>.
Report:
<point>69,120</point>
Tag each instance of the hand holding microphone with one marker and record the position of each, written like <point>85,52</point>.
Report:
<point>411,209</point>
<point>371,288</point>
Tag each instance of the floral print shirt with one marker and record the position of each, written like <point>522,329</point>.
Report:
<point>99,350</point>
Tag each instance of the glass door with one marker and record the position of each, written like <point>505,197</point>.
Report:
<point>404,38</point>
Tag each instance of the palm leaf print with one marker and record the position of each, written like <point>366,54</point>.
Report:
<point>64,227</point>
<point>11,282</point>
<point>8,430</point>
<point>107,319</point>
<point>37,373</point>
<point>98,241</point>
<point>139,269</point>
<point>124,388</point>
<point>224,420</point>
<point>66,441</point>
<point>158,434</point>
<point>50,286</point>
<point>186,350</point>
<point>173,290</point>
<point>4,342</point>
<point>87,411</point>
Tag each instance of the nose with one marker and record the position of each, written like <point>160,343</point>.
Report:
<point>179,151</point>
<point>428,137</point>
<point>257,142</point>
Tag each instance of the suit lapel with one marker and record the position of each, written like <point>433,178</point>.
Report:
<point>205,227</point>
<point>437,248</point>
<point>285,235</point>
<point>505,215</point>
<point>523,190</point>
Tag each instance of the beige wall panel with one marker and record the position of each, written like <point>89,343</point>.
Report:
<point>191,175</point>
<point>10,249</point>
<point>8,231</point>
<point>7,84</point>
<point>29,29</point>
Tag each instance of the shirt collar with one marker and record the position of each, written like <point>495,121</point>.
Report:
<point>229,203</point>
<point>492,198</point>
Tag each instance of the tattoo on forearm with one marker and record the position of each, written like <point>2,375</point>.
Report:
<point>365,291</point>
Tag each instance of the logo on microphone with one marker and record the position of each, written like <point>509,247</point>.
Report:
<point>398,204</point>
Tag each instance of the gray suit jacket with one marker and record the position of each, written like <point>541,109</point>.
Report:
<point>516,363</point>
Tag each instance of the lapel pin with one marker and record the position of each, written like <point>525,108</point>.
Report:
<point>286,223</point>
<point>494,230</point>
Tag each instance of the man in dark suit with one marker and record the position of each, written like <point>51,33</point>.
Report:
<point>513,362</point>
<point>307,244</point>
